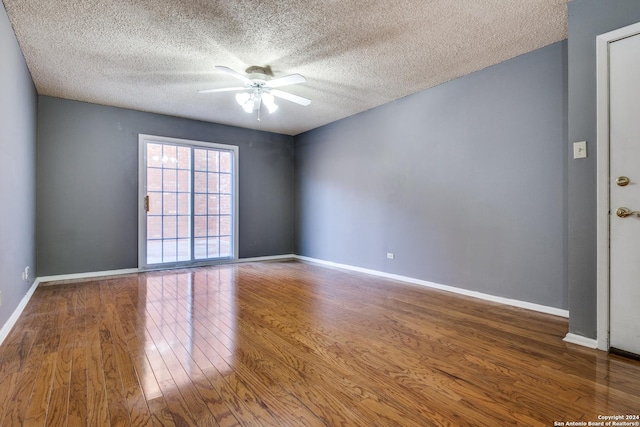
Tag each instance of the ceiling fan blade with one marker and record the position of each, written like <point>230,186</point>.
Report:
<point>246,80</point>
<point>224,89</point>
<point>290,97</point>
<point>292,79</point>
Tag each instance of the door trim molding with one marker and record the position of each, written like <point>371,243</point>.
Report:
<point>602,156</point>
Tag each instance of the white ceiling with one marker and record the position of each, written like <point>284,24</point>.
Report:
<point>154,55</point>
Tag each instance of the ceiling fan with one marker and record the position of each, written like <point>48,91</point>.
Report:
<point>259,90</point>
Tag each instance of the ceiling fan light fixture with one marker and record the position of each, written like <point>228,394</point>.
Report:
<point>271,108</point>
<point>242,98</point>
<point>248,106</point>
<point>269,102</point>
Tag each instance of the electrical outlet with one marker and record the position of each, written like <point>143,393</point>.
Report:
<point>390,255</point>
<point>26,273</point>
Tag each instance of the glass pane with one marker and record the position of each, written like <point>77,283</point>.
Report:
<point>200,160</point>
<point>154,154</point>
<point>155,203</point>
<point>184,157</point>
<point>200,204</point>
<point>184,204</point>
<point>200,226</point>
<point>169,157</point>
<point>225,161</point>
<point>184,227</point>
<point>214,208</point>
<point>213,226</point>
<point>169,250</point>
<point>225,183</point>
<point>169,204</point>
<point>154,227</point>
<point>169,180</point>
<point>213,161</point>
<point>200,182</point>
<point>154,179</point>
<point>213,182</point>
<point>184,250</point>
<point>200,248</point>
<point>213,247</point>
<point>225,204</point>
<point>225,225</point>
<point>169,227</point>
<point>225,247</point>
<point>184,181</point>
<point>154,251</point>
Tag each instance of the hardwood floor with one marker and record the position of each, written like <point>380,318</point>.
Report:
<point>295,344</point>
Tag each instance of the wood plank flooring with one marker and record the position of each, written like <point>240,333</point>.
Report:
<point>295,344</point>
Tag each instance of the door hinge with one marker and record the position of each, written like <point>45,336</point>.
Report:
<point>146,204</point>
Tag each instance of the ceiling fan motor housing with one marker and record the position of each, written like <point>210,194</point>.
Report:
<point>261,71</point>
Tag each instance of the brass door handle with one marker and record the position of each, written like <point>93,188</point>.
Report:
<point>622,181</point>
<point>625,212</point>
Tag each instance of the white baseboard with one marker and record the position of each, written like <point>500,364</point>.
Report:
<point>88,275</point>
<point>267,258</point>
<point>6,328</point>
<point>507,301</point>
<point>580,340</point>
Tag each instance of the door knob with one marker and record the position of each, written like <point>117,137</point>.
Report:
<point>625,212</point>
<point>622,181</point>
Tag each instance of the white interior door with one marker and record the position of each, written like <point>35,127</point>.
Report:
<point>624,297</point>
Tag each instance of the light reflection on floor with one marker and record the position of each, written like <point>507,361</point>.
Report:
<point>192,314</point>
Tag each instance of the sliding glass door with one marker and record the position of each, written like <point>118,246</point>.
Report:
<point>188,202</point>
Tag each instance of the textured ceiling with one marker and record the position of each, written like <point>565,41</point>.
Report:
<point>154,55</point>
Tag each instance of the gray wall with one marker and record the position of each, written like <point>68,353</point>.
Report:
<point>88,184</point>
<point>17,171</point>
<point>587,19</point>
<point>464,182</point>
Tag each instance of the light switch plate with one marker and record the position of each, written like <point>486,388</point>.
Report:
<point>580,150</point>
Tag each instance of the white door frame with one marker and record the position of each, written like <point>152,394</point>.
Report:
<point>143,139</point>
<point>603,209</point>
